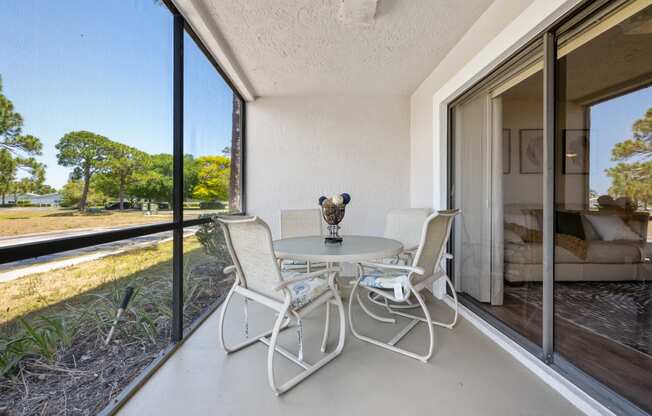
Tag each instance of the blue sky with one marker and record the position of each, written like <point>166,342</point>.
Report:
<point>106,67</point>
<point>611,122</point>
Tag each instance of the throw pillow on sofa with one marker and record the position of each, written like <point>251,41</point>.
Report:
<point>526,234</point>
<point>525,219</point>
<point>571,243</point>
<point>612,228</point>
<point>511,237</point>
<point>570,223</point>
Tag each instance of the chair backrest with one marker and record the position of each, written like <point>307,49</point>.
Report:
<point>434,237</point>
<point>300,222</point>
<point>249,241</point>
<point>405,225</point>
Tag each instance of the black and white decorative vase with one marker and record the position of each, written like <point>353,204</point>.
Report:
<point>333,210</point>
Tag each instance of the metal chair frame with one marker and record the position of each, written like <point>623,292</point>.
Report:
<point>285,313</point>
<point>414,287</point>
<point>394,308</point>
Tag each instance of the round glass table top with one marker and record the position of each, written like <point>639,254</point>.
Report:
<point>353,248</point>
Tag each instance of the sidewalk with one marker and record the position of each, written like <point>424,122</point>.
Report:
<point>15,270</point>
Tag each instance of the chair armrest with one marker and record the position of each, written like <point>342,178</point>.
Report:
<point>417,270</point>
<point>306,276</point>
<point>229,269</point>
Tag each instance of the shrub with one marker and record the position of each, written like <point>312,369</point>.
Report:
<point>211,205</point>
<point>71,195</point>
<point>211,237</point>
<point>45,339</point>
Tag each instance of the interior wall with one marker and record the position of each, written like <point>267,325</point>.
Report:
<point>299,148</point>
<point>522,108</point>
<point>522,189</point>
<point>575,193</point>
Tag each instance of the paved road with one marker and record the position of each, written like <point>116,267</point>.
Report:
<point>34,238</point>
<point>17,269</point>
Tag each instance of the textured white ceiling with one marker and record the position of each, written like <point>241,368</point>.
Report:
<point>300,47</point>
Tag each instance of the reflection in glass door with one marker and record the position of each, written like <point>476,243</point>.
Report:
<point>603,181</point>
<point>498,147</point>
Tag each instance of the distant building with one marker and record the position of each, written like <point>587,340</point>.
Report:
<point>53,199</point>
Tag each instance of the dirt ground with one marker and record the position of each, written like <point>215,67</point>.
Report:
<point>86,375</point>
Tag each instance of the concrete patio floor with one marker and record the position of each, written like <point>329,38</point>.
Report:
<point>468,375</point>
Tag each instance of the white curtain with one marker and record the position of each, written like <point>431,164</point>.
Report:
<point>478,193</point>
<point>473,196</point>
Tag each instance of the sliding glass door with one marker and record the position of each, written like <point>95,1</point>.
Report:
<point>498,144</point>
<point>551,159</point>
<point>603,182</point>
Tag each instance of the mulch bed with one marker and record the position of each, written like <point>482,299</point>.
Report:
<point>89,374</point>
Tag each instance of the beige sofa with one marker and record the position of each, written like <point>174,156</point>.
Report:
<point>604,261</point>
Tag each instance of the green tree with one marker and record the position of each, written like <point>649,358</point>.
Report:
<point>190,176</point>
<point>16,150</point>
<point>8,168</point>
<point>11,131</point>
<point>639,146</point>
<point>121,165</point>
<point>71,194</point>
<point>154,181</point>
<point>632,176</point>
<point>9,181</point>
<point>212,178</point>
<point>45,189</point>
<point>34,179</point>
<point>87,153</point>
<point>632,180</point>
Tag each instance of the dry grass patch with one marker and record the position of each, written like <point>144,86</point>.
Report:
<point>35,292</point>
<point>19,221</point>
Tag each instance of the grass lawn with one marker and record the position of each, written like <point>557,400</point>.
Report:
<point>19,221</point>
<point>40,291</point>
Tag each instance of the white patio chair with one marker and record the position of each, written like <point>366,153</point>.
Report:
<point>300,223</point>
<point>396,283</point>
<point>291,295</point>
<point>404,225</point>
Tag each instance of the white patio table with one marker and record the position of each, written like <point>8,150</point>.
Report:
<point>353,249</point>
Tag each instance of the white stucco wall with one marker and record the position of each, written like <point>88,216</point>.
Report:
<point>504,27</point>
<point>386,151</point>
<point>299,148</point>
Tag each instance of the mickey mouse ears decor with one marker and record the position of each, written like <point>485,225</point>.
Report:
<point>333,209</point>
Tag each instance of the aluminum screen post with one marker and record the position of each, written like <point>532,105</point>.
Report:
<point>549,124</point>
<point>177,193</point>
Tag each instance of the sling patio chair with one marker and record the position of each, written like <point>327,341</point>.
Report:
<point>300,223</point>
<point>291,295</point>
<point>396,283</point>
<point>403,225</point>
